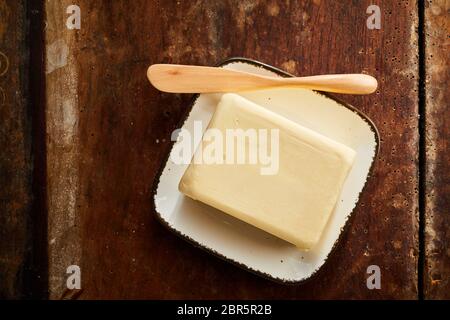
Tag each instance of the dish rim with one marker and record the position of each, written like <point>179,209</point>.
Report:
<point>195,243</point>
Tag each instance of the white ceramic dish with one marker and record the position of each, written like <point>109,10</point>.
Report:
<point>240,243</point>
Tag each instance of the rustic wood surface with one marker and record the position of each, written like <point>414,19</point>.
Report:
<point>92,156</point>
<point>437,170</point>
<point>63,125</point>
<point>15,150</point>
<point>108,131</point>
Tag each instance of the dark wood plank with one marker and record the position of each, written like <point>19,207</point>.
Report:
<point>437,135</point>
<point>15,150</point>
<point>63,161</point>
<point>119,129</point>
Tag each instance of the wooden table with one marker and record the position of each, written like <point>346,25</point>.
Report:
<point>84,135</point>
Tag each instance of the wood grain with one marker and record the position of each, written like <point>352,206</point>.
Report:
<point>104,152</point>
<point>437,136</point>
<point>63,156</point>
<point>15,150</point>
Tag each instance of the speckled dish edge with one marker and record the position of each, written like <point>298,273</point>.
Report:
<point>184,117</point>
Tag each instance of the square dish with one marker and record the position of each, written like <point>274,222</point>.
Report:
<point>243,244</point>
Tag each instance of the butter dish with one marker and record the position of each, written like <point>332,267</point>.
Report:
<point>242,243</point>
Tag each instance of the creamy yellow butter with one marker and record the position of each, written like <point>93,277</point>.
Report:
<point>294,199</point>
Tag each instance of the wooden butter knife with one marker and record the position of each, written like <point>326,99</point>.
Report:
<point>198,79</point>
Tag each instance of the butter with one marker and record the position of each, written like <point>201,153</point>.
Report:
<point>295,201</point>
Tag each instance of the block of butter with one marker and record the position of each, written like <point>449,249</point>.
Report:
<point>291,196</point>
